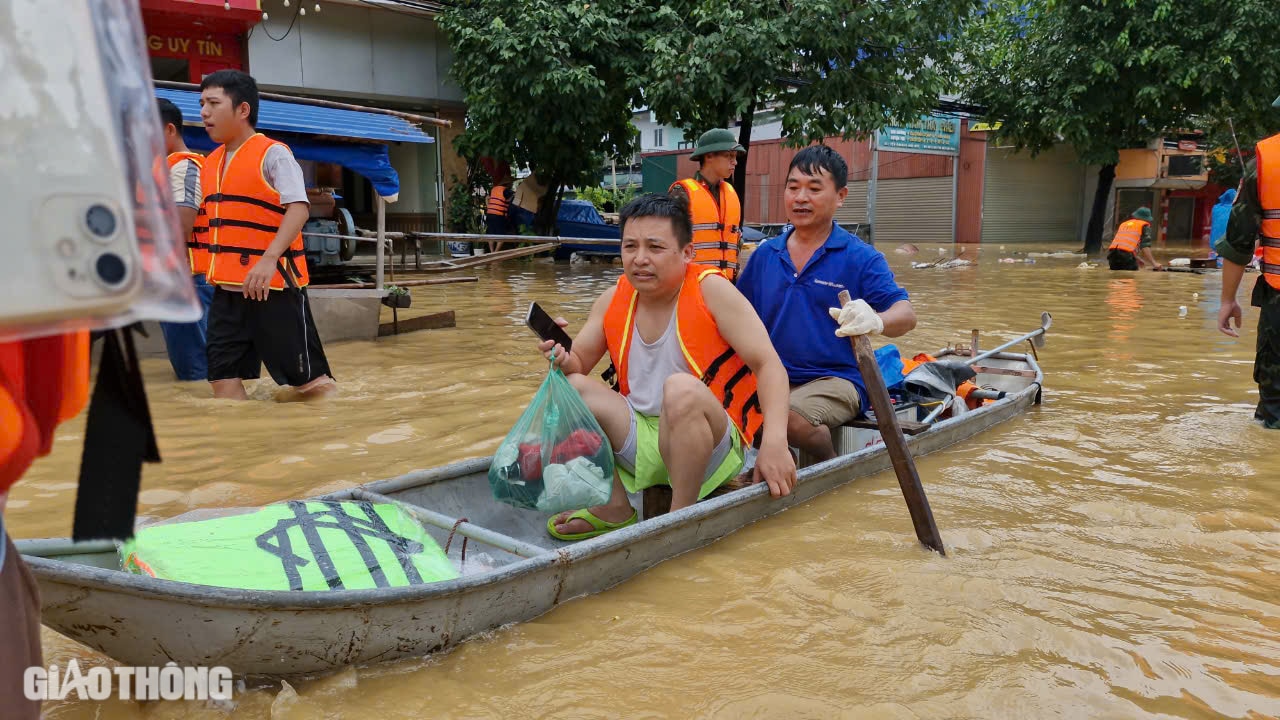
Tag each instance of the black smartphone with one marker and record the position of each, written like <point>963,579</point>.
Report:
<point>544,327</point>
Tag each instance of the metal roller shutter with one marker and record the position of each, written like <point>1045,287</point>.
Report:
<point>854,210</point>
<point>914,210</point>
<point>1032,200</point>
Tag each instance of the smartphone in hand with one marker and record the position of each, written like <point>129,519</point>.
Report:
<point>544,327</point>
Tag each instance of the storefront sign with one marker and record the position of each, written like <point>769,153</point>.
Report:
<point>929,134</point>
<point>183,46</point>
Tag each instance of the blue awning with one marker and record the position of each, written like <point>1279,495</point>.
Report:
<point>288,123</point>
<point>310,120</point>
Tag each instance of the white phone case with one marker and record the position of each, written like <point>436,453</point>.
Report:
<point>71,247</point>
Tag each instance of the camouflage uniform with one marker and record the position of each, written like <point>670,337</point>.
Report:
<point>1237,246</point>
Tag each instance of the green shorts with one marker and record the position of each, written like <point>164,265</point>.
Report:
<point>640,463</point>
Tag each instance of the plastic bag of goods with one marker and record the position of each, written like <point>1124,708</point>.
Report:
<point>300,545</point>
<point>556,457</point>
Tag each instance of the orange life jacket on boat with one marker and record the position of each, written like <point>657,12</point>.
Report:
<point>708,355</point>
<point>1268,160</point>
<point>43,382</point>
<point>197,248</point>
<point>717,226</point>
<point>243,214</point>
<point>1129,235</point>
<point>497,203</point>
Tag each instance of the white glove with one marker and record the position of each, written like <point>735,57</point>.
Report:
<point>857,318</point>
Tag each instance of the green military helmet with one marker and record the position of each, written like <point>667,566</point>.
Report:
<point>1142,214</point>
<point>717,140</point>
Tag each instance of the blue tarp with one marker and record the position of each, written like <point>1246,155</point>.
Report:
<point>310,120</point>
<point>289,122</point>
<point>367,159</point>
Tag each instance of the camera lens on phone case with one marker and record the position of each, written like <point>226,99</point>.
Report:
<point>111,269</point>
<point>100,220</point>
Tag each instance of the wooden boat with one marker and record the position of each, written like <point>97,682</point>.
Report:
<point>140,620</point>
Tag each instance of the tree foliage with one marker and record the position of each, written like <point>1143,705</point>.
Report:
<point>1106,75</point>
<point>549,84</point>
<point>830,67</point>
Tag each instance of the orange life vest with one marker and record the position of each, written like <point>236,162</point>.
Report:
<point>497,204</point>
<point>43,382</point>
<point>1129,235</point>
<point>243,214</point>
<point>708,355</point>
<point>197,247</point>
<point>717,226</point>
<point>1268,160</point>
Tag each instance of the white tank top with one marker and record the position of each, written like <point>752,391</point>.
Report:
<point>650,364</point>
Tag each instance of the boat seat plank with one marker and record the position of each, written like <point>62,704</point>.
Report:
<point>478,533</point>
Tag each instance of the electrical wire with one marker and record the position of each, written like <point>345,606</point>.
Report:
<point>267,32</point>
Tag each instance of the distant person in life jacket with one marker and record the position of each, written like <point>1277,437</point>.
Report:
<point>713,204</point>
<point>1133,237</point>
<point>1255,220</point>
<point>696,379</point>
<point>497,211</point>
<point>255,205</point>
<point>186,341</point>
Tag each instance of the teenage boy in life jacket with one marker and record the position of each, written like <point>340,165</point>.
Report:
<point>186,341</point>
<point>255,204</point>
<point>697,380</point>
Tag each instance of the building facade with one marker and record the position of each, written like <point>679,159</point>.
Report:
<point>376,54</point>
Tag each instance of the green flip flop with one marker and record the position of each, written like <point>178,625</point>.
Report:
<point>601,526</point>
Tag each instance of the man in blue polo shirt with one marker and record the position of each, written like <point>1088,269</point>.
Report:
<point>794,280</point>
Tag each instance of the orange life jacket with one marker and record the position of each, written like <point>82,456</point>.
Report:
<point>1129,235</point>
<point>497,204</point>
<point>717,226</point>
<point>243,214</point>
<point>197,247</point>
<point>43,382</point>
<point>1268,160</point>
<point>708,355</point>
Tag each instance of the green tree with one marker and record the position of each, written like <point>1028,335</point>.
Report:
<point>550,84</point>
<point>1106,75</point>
<point>831,67</point>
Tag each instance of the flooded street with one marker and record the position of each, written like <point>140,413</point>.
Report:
<point>1114,553</point>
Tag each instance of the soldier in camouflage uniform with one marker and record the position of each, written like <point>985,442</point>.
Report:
<point>1236,248</point>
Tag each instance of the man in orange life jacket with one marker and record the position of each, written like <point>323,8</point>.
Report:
<point>186,341</point>
<point>1255,219</point>
<point>713,203</point>
<point>255,205</point>
<point>497,211</point>
<point>1133,237</point>
<point>697,380</point>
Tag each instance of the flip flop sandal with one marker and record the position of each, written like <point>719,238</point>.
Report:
<point>601,526</point>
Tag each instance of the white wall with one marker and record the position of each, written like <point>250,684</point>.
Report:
<point>354,51</point>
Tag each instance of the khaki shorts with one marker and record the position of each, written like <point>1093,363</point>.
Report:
<point>829,401</point>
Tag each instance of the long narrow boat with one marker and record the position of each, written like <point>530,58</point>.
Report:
<point>140,620</point>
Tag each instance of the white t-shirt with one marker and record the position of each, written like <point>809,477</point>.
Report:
<point>283,173</point>
<point>184,183</point>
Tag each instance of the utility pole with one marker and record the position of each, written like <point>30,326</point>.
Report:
<point>871,188</point>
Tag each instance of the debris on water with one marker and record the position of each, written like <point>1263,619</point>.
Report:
<point>952,263</point>
<point>1001,247</point>
<point>1195,296</point>
<point>1180,262</point>
<point>1182,311</point>
<point>907,249</point>
<point>1008,260</point>
<point>1058,254</point>
<point>1085,266</point>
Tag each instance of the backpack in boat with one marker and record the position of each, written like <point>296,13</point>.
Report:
<point>556,457</point>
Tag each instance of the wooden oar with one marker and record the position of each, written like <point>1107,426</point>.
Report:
<point>896,443</point>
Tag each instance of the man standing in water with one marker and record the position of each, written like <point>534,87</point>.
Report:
<point>794,282</point>
<point>255,205</point>
<point>1256,216</point>
<point>1133,237</point>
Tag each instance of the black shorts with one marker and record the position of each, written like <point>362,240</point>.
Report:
<point>1121,260</point>
<point>279,332</point>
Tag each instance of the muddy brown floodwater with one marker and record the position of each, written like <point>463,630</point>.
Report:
<point>1114,553</point>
